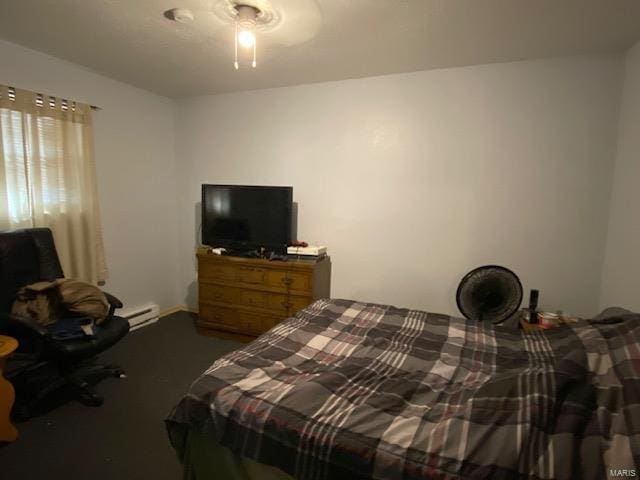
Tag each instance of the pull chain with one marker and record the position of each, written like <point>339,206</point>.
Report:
<point>253,64</point>
<point>235,63</point>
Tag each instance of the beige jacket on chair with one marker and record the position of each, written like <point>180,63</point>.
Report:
<point>45,302</point>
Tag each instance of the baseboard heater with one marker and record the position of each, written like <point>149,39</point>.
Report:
<point>143,316</point>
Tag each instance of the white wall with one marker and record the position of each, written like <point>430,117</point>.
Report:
<point>134,142</point>
<point>411,180</point>
<point>620,279</point>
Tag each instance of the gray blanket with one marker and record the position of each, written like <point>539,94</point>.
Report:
<point>355,390</point>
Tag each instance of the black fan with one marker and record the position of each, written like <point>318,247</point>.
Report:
<point>491,293</point>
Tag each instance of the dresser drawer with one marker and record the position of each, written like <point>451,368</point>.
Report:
<point>254,298</point>
<point>249,275</point>
<point>298,303</point>
<point>255,277</point>
<point>235,296</point>
<point>236,319</point>
<point>230,317</point>
<point>219,315</point>
<point>218,293</point>
<point>215,271</point>
<point>289,280</point>
<point>288,304</point>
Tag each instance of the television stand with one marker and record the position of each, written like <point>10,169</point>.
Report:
<point>248,296</point>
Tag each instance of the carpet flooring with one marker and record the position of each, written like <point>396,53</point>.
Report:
<point>125,438</point>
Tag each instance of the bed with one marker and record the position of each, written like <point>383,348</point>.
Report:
<point>352,390</point>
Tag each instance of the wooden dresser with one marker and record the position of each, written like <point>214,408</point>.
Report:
<point>248,296</point>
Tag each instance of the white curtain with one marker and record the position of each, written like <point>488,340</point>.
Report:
<point>48,179</point>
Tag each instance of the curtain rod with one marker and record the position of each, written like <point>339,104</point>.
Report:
<point>12,95</point>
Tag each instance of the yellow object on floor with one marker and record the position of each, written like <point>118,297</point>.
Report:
<point>8,432</point>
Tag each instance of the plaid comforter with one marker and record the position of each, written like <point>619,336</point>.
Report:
<point>356,390</point>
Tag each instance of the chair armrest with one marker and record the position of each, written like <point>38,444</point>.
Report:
<point>113,301</point>
<point>26,322</point>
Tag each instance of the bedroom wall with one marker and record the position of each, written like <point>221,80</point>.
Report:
<point>412,180</point>
<point>134,147</point>
<point>622,260</point>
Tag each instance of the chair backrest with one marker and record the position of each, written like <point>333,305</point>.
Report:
<point>26,256</point>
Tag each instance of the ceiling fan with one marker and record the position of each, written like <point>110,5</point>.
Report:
<point>281,22</point>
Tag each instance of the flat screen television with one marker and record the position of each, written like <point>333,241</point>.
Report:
<point>244,217</point>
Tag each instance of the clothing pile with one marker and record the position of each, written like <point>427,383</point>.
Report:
<point>67,308</point>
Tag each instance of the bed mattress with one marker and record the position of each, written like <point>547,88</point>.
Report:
<point>347,389</point>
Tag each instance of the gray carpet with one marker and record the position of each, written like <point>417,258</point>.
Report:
<point>125,437</point>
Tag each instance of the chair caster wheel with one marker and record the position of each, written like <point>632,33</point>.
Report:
<point>91,399</point>
<point>119,373</point>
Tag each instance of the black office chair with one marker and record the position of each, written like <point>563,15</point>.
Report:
<point>28,256</point>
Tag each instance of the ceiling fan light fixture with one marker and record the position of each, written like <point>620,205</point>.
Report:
<point>246,38</point>
<point>246,20</point>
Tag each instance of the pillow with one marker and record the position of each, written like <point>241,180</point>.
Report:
<point>613,315</point>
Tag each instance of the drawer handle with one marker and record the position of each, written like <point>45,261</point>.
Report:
<point>287,281</point>
<point>287,305</point>
<point>218,295</point>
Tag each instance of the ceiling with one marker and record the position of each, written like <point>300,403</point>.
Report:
<point>132,41</point>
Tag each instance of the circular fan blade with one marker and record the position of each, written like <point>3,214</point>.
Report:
<point>491,293</point>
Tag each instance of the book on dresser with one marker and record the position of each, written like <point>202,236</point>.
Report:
<point>248,296</point>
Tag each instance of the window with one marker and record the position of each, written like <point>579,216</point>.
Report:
<point>47,176</point>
